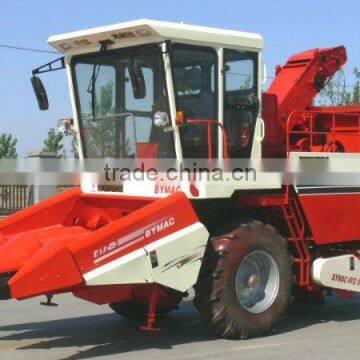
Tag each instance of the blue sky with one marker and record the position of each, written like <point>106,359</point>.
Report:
<point>287,27</point>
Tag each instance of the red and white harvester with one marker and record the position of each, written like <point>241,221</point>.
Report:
<point>156,90</point>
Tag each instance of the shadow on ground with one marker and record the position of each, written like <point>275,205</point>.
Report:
<point>109,334</point>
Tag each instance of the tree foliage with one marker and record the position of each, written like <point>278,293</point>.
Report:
<point>75,147</point>
<point>53,142</point>
<point>342,91</point>
<point>105,104</point>
<point>100,134</point>
<point>8,146</point>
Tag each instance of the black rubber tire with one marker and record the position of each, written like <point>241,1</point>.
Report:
<point>215,293</point>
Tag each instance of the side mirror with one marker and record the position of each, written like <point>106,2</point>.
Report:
<point>137,79</point>
<point>40,93</point>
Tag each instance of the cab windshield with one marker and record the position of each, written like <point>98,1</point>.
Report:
<point>113,121</point>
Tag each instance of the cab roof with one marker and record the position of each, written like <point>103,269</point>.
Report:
<point>145,31</point>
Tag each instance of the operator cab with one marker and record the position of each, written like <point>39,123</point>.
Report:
<point>149,89</point>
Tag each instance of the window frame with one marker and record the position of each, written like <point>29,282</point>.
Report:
<point>253,90</point>
<point>80,59</point>
<point>196,48</point>
<point>214,51</point>
<point>255,57</point>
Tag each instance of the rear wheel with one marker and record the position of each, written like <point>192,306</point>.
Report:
<point>245,282</point>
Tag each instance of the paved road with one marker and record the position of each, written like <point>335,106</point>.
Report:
<point>79,330</point>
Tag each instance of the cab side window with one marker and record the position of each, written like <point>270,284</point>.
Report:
<point>195,80</point>
<point>240,100</point>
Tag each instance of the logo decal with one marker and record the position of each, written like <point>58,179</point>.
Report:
<point>145,232</point>
<point>340,278</point>
<point>161,226</point>
<point>167,189</point>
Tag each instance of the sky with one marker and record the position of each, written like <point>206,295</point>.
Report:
<point>288,27</point>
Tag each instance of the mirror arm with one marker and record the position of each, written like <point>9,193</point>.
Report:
<point>40,92</point>
<point>51,66</point>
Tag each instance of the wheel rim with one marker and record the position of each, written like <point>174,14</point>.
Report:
<point>257,281</point>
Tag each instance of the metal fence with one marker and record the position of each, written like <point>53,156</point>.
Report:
<point>17,197</point>
<point>62,188</point>
<point>14,198</point>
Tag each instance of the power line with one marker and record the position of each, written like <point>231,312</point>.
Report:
<point>20,48</point>
<point>27,49</point>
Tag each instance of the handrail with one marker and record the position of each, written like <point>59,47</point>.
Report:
<point>209,123</point>
<point>310,115</point>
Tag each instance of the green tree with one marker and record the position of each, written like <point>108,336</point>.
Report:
<point>53,142</point>
<point>341,91</point>
<point>106,98</point>
<point>100,134</point>
<point>8,146</point>
<point>356,91</point>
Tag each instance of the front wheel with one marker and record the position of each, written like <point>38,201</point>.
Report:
<point>245,282</point>
<point>138,307</point>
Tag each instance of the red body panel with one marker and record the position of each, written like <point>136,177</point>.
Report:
<point>333,218</point>
<point>106,294</point>
<point>47,213</point>
<point>51,269</point>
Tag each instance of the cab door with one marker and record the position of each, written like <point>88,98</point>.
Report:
<point>195,82</point>
<point>241,104</point>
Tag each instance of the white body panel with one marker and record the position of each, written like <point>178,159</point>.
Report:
<point>206,189</point>
<point>143,31</point>
<point>133,268</point>
<point>178,260</point>
<point>339,272</point>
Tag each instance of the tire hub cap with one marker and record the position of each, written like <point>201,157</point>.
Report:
<point>257,281</point>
